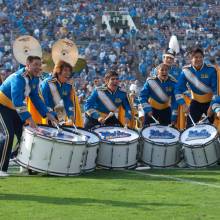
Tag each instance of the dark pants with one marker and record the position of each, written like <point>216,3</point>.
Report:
<point>163,116</point>
<point>91,122</point>
<point>10,125</point>
<point>196,110</point>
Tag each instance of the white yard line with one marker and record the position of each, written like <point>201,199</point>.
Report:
<point>176,179</point>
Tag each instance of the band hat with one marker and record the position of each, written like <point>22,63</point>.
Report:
<point>170,53</point>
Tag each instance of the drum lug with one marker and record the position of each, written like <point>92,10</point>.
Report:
<point>32,146</point>
<point>127,155</point>
<point>51,152</point>
<point>85,156</point>
<point>70,160</point>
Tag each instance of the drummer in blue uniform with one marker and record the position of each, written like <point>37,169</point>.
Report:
<point>202,80</point>
<point>168,59</point>
<point>13,108</point>
<point>157,98</point>
<point>58,94</point>
<point>104,105</point>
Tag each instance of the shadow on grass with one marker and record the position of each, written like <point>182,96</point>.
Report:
<point>85,201</point>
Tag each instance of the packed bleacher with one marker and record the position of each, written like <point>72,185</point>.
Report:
<point>133,54</point>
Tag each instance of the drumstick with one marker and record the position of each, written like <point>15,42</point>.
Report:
<point>194,124</point>
<point>203,119</point>
<point>110,114</point>
<point>155,119</point>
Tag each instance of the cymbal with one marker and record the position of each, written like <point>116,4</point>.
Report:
<point>66,51</point>
<point>25,46</point>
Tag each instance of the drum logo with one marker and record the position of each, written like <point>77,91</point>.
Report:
<point>195,135</point>
<point>107,135</point>
<point>156,134</point>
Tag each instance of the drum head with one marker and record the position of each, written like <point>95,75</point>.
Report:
<point>198,135</point>
<point>91,137</point>
<point>160,134</point>
<point>116,134</point>
<point>51,132</point>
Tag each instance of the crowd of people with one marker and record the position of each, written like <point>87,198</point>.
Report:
<point>192,22</point>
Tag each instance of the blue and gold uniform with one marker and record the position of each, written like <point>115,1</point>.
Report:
<point>56,94</point>
<point>203,86</point>
<point>103,101</point>
<point>158,96</point>
<point>13,109</point>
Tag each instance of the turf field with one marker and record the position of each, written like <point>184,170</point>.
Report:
<point>113,195</point>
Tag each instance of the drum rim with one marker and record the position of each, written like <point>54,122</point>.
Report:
<point>198,145</point>
<point>117,143</point>
<point>159,143</point>
<point>92,144</point>
<point>54,139</point>
<point>47,172</point>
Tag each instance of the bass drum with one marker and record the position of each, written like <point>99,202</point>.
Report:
<point>118,148</point>
<point>200,145</point>
<point>161,146</point>
<point>47,151</point>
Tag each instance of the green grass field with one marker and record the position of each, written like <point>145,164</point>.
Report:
<point>114,195</point>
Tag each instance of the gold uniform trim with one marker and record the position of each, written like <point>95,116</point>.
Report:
<point>202,98</point>
<point>157,105</point>
<point>4,100</point>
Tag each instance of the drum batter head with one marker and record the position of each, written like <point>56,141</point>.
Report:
<point>91,137</point>
<point>116,134</point>
<point>198,135</point>
<point>25,46</point>
<point>51,132</point>
<point>65,50</point>
<point>160,134</point>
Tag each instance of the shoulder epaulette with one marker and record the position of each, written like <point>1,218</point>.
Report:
<point>151,77</point>
<point>186,66</point>
<point>210,65</point>
<point>101,88</point>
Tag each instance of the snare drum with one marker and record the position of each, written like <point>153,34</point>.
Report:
<point>118,148</point>
<point>161,146</point>
<point>90,154</point>
<point>47,151</point>
<point>200,145</point>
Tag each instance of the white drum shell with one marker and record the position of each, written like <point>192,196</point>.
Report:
<point>117,156</point>
<point>159,154</point>
<point>202,156</point>
<point>50,156</point>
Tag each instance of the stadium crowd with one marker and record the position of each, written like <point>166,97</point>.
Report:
<point>132,53</point>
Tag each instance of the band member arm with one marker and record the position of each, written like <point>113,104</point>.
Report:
<point>180,88</point>
<point>38,102</point>
<point>144,96</point>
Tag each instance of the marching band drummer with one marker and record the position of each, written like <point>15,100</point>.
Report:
<point>202,80</point>
<point>59,95</point>
<point>106,102</point>
<point>168,59</point>
<point>157,98</point>
<point>13,109</point>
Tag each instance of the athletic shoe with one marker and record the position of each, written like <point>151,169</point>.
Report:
<point>3,174</point>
